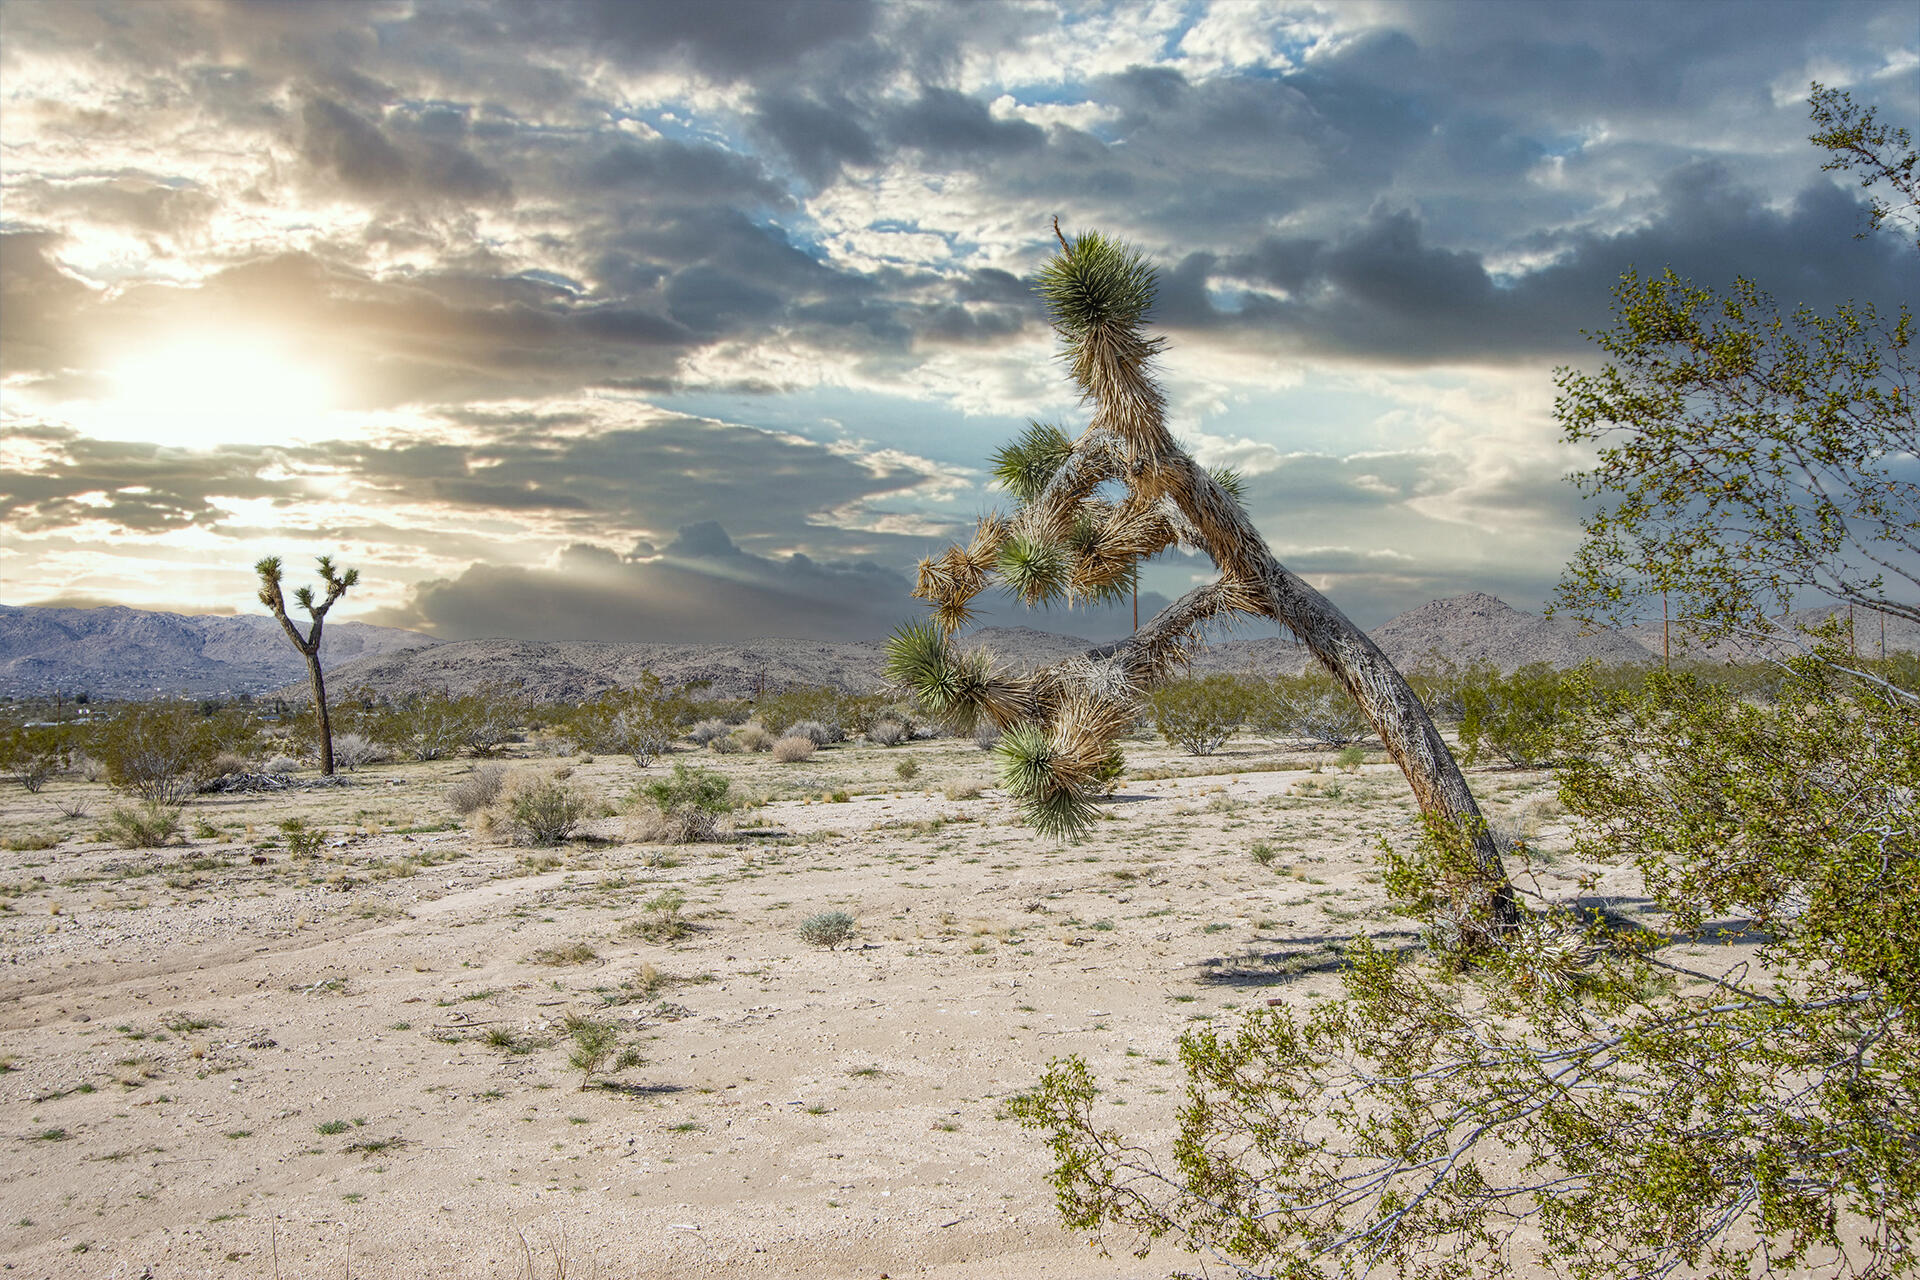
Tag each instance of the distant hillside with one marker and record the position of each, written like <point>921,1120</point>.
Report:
<point>116,652</point>
<point>1869,631</point>
<point>1470,629</point>
<point>1479,628</point>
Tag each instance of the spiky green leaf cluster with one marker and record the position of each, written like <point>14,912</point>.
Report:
<point>946,683</point>
<point>1025,759</point>
<point>1033,568</point>
<point>1096,283</point>
<point>1024,466</point>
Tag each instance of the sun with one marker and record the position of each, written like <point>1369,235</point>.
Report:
<point>212,389</point>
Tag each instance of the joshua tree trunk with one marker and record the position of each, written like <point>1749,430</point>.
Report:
<point>309,644</point>
<point>319,684</point>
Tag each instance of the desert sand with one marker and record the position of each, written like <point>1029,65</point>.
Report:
<point>223,1060</point>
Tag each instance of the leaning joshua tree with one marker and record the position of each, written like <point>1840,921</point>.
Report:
<point>309,644</point>
<point>1089,509</point>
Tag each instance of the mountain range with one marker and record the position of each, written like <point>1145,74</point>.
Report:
<point>1473,628</point>
<point>115,652</point>
<point>131,653</point>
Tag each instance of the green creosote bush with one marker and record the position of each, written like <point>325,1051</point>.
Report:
<point>1351,758</point>
<point>597,1049</point>
<point>1311,706</point>
<point>164,752</point>
<point>436,726</point>
<point>907,770</point>
<point>302,840</point>
<point>681,809</point>
<point>826,929</point>
<point>148,827</point>
<point>1517,717</point>
<point>1661,1110</point>
<point>545,810</point>
<point>793,749</point>
<point>701,789</point>
<point>1198,715</point>
<point>639,721</point>
<point>36,752</point>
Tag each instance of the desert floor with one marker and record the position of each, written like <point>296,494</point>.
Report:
<point>222,1060</point>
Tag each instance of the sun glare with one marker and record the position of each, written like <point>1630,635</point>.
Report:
<point>195,393</point>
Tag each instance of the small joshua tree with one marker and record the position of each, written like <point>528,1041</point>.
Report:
<point>1090,509</point>
<point>309,644</point>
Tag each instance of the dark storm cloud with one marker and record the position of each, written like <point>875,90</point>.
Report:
<point>702,588</point>
<point>345,148</point>
<point>726,39</point>
<point>138,487</point>
<point>1384,292</point>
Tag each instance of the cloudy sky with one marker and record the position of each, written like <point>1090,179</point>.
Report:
<point>668,320</point>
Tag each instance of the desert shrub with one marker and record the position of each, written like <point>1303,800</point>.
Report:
<point>282,765</point>
<point>889,729</point>
<point>351,750</point>
<point>150,826</point>
<point>986,735</point>
<point>753,737</point>
<point>706,731</point>
<point>226,764</point>
<point>1519,717</point>
<point>676,826</point>
<point>680,809</point>
<point>663,918</point>
<point>700,789</point>
<point>34,753</point>
<point>544,809</point>
<point>1351,758</point>
<point>816,732</point>
<point>302,840</point>
<point>907,770</point>
<point>490,717</point>
<point>724,745</point>
<point>1310,706</point>
<point>1198,715</point>
<point>478,789</point>
<point>597,1049</point>
<point>640,722</point>
<point>421,726</point>
<point>783,709</point>
<point>826,929</point>
<point>794,748</point>
<point>163,752</point>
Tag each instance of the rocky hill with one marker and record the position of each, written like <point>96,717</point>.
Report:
<point>116,652</point>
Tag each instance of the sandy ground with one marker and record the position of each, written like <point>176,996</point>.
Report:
<point>225,1061</point>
